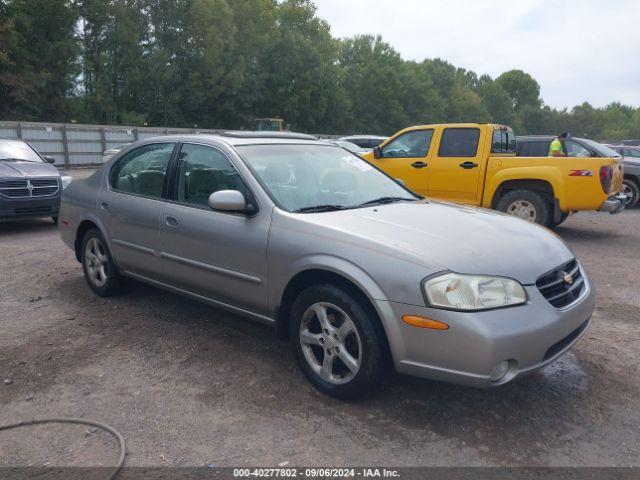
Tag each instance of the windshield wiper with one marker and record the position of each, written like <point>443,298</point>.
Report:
<point>382,200</point>
<point>319,208</point>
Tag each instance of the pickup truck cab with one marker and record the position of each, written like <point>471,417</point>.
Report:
<point>476,164</point>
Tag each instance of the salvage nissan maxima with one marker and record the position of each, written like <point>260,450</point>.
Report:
<point>358,272</point>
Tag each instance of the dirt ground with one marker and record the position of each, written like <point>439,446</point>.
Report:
<point>188,385</point>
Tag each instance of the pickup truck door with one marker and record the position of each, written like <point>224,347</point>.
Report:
<point>406,157</point>
<point>455,170</point>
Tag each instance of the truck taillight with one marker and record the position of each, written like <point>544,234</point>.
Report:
<point>606,174</point>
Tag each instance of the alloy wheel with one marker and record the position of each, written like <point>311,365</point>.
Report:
<point>97,262</point>
<point>627,192</point>
<point>330,343</point>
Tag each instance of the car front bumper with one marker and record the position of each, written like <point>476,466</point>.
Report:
<point>614,204</point>
<point>30,207</point>
<point>528,337</point>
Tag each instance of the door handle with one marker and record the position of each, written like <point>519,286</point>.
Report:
<point>171,222</point>
<point>418,165</point>
<point>104,206</point>
<point>468,165</point>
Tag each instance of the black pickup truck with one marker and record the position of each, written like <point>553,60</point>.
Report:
<point>30,186</point>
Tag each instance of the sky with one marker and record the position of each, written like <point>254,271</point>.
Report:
<point>577,50</point>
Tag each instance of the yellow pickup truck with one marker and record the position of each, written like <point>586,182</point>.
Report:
<point>476,164</point>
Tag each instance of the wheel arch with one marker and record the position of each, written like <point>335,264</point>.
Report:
<point>317,276</point>
<point>538,185</point>
<point>83,227</point>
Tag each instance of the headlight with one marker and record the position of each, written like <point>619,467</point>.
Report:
<point>66,180</point>
<point>473,292</point>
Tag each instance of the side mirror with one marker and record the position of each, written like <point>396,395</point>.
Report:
<point>377,152</point>
<point>50,160</point>
<point>230,201</point>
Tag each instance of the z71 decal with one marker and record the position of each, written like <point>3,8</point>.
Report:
<point>581,173</point>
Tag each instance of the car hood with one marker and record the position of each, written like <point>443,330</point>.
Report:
<point>27,169</point>
<point>442,236</point>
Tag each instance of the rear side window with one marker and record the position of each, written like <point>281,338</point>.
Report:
<point>459,142</point>
<point>142,171</point>
<point>533,148</point>
<point>504,141</point>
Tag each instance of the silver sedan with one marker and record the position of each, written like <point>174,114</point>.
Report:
<point>359,273</point>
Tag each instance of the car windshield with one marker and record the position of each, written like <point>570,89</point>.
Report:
<point>307,178</point>
<point>17,151</point>
<point>601,149</point>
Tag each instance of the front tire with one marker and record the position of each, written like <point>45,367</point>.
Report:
<point>337,342</point>
<point>526,204</point>
<point>631,191</point>
<point>99,270</point>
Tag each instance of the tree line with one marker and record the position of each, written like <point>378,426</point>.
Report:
<point>223,63</point>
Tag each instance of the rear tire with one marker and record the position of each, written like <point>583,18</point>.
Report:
<point>337,342</point>
<point>526,204</point>
<point>632,191</point>
<point>99,270</point>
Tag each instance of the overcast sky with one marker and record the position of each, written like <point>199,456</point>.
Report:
<point>578,50</point>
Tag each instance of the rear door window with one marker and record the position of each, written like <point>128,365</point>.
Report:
<point>142,171</point>
<point>503,141</point>
<point>459,142</point>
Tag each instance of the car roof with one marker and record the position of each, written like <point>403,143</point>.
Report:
<point>362,136</point>
<point>236,138</point>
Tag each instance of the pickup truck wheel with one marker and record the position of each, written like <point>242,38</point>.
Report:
<point>563,217</point>
<point>336,342</point>
<point>526,204</point>
<point>99,270</point>
<point>631,191</point>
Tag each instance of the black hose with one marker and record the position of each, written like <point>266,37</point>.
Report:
<point>79,421</point>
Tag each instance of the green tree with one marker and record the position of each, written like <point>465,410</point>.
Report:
<point>521,87</point>
<point>38,58</point>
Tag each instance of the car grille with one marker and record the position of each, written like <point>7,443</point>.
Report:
<point>33,187</point>
<point>562,286</point>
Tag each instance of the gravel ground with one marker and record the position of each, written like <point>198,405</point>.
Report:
<point>188,385</point>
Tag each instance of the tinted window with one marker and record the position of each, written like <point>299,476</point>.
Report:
<point>504,141</point>
<point>459,142</point>
<point>142,171</point>
<point>202,171</point>
<point>409,145</point>
<point>574,149</point>
<point>533,148</point>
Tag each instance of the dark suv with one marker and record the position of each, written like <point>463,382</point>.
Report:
<point>29,185</point>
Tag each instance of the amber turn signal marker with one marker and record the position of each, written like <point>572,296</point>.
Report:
<point>423,322</point>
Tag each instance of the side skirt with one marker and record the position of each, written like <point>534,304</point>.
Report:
<point>215,303</point>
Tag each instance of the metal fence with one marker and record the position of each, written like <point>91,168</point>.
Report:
<point>81,145</point>
<point>75,145</point>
